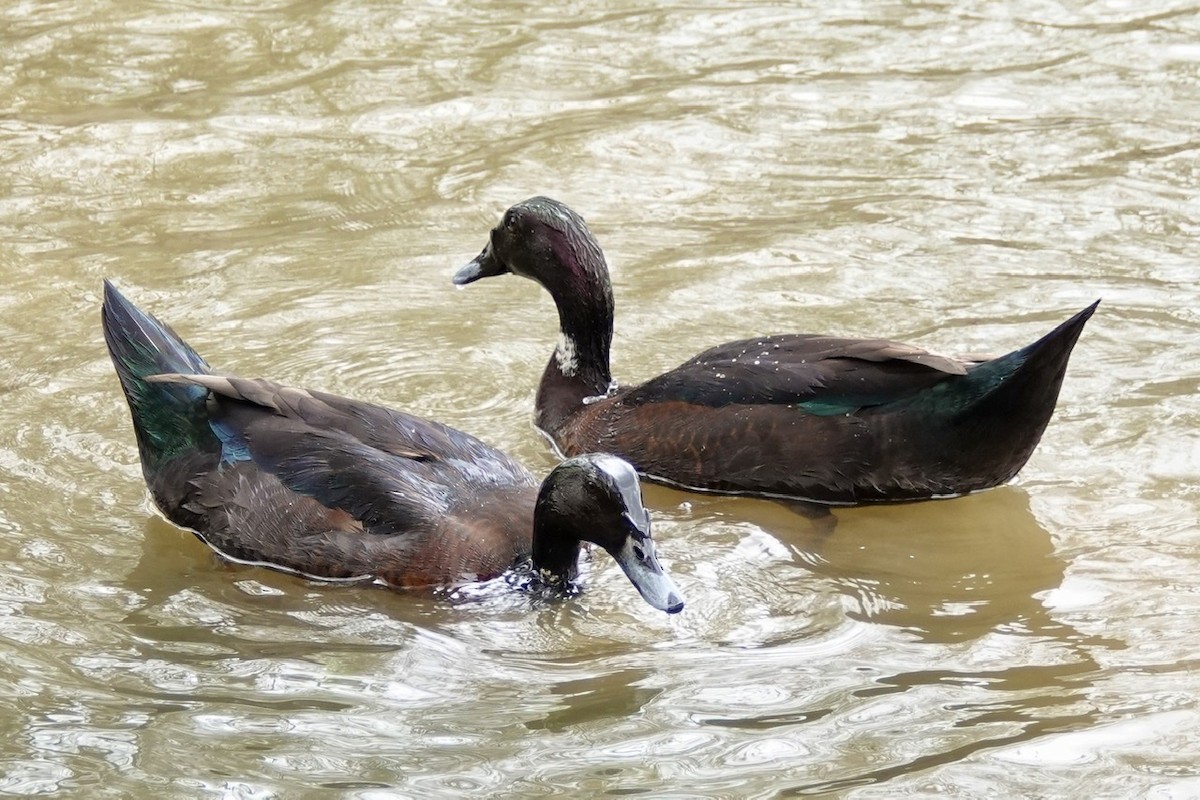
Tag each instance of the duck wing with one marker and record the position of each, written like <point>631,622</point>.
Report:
<point>391,471</point>
<point>824,375</point>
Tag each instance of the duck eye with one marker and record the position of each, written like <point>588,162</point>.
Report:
<point>509,222</point>
<point>639,552</point>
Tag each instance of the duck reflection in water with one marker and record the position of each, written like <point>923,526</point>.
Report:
<point>948,571</point>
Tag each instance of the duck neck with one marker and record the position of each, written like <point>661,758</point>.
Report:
<point>555,553</point>
<point>579,366</point>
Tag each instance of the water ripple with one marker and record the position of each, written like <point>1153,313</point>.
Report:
<point>291,186</point>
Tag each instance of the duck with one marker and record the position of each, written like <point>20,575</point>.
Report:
<point>339,490</point>
<point>801,417</point>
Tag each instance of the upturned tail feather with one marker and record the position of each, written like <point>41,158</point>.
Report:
<point>1026,381</point>
<point>169,419</point>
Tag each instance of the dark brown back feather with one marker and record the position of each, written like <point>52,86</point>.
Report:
<point>334,488</point>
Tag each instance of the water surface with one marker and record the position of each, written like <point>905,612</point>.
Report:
<point>291,186</point>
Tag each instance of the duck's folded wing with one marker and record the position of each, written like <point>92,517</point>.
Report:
<point>821,374</point>
<point>252,516</point>
<point>382,467</point>
<point>394,432</point>
<point>308,407</point>
<point>387,493</point>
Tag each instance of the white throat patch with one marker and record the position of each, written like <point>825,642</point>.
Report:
<point>564,353</point>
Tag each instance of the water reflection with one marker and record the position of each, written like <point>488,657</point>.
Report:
<point>965,572</point>
<point>188,593</point>
<point>1053,699</point>
<point>950,571</point>
<point>295,181</point>
<point>609,696</point>
<point>947,572</point>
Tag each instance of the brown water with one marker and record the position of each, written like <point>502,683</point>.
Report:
<point>291,185</point>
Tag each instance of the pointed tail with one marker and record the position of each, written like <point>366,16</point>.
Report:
<point>1056,346</point>
<point>168,418</point>
<point>1033,374</point>
<point>1020,390</point>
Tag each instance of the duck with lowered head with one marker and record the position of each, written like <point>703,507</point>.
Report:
<point>810,417</point>
<point>336,489</point>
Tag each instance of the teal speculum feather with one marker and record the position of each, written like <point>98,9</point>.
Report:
<point>831,408</point>
<point>947,398</point>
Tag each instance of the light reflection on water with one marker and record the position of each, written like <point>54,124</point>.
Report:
<point>291,188</point>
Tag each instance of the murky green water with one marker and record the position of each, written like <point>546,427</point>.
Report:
<point>291,185</point>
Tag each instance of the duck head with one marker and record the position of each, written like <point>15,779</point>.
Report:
<point>545,241</point>
<point>597,498</point>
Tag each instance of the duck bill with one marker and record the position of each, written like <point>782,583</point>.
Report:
<point>647,576</point>
<point>484,265</point>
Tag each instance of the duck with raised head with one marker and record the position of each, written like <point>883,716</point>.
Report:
<point>810,417</point>
<point>340,490</point>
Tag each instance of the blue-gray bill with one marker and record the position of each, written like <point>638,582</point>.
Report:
<point>640,563</point>
<point>484,265</point>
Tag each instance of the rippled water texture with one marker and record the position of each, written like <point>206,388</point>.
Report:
<point>291,186</point>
